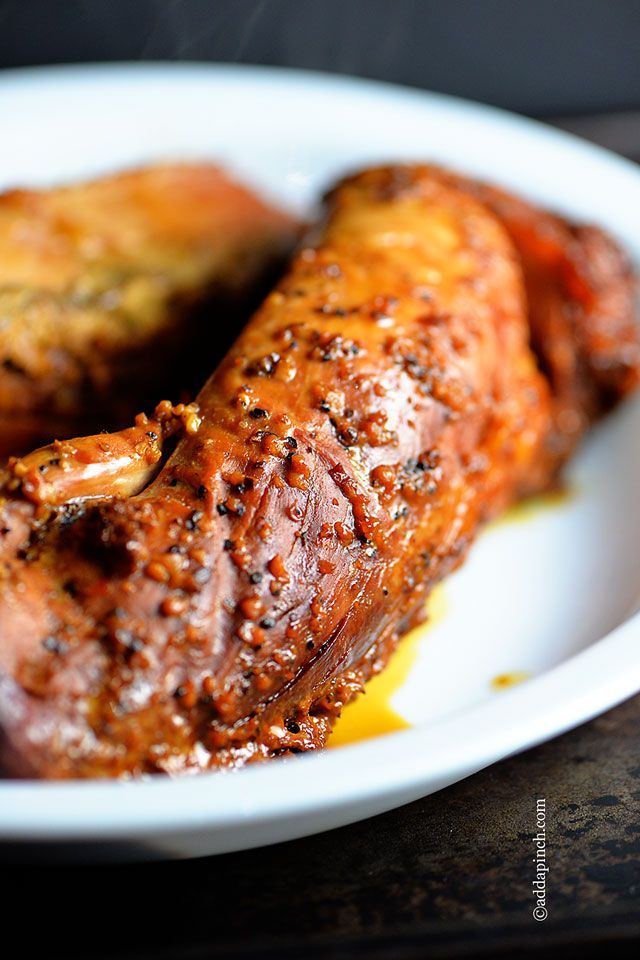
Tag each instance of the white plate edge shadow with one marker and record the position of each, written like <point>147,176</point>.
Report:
<point>289,798</point>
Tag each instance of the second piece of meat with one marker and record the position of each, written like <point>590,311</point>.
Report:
<point>103,289</point>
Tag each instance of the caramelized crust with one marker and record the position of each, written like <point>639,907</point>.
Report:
<point>382,404</point>
<point>581,293</point>
<point>98,285</point>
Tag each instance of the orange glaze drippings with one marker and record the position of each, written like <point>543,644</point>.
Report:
<point>505,680</point>
<point>530,508</point>
<point>372,714</point>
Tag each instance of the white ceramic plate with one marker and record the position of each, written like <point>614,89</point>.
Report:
<point>555,597</point>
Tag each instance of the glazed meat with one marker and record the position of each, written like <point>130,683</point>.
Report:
<point>382,404</point>
<point>99,286</point>
<point>581,302</point>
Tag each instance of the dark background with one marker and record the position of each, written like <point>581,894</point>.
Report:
<point>543,57</point>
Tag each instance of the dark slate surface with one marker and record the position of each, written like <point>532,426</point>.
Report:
<point>446,876</point>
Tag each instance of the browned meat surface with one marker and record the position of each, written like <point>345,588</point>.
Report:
<point>98,289</point>
<point>581,291</point>
<point>381,405</point>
